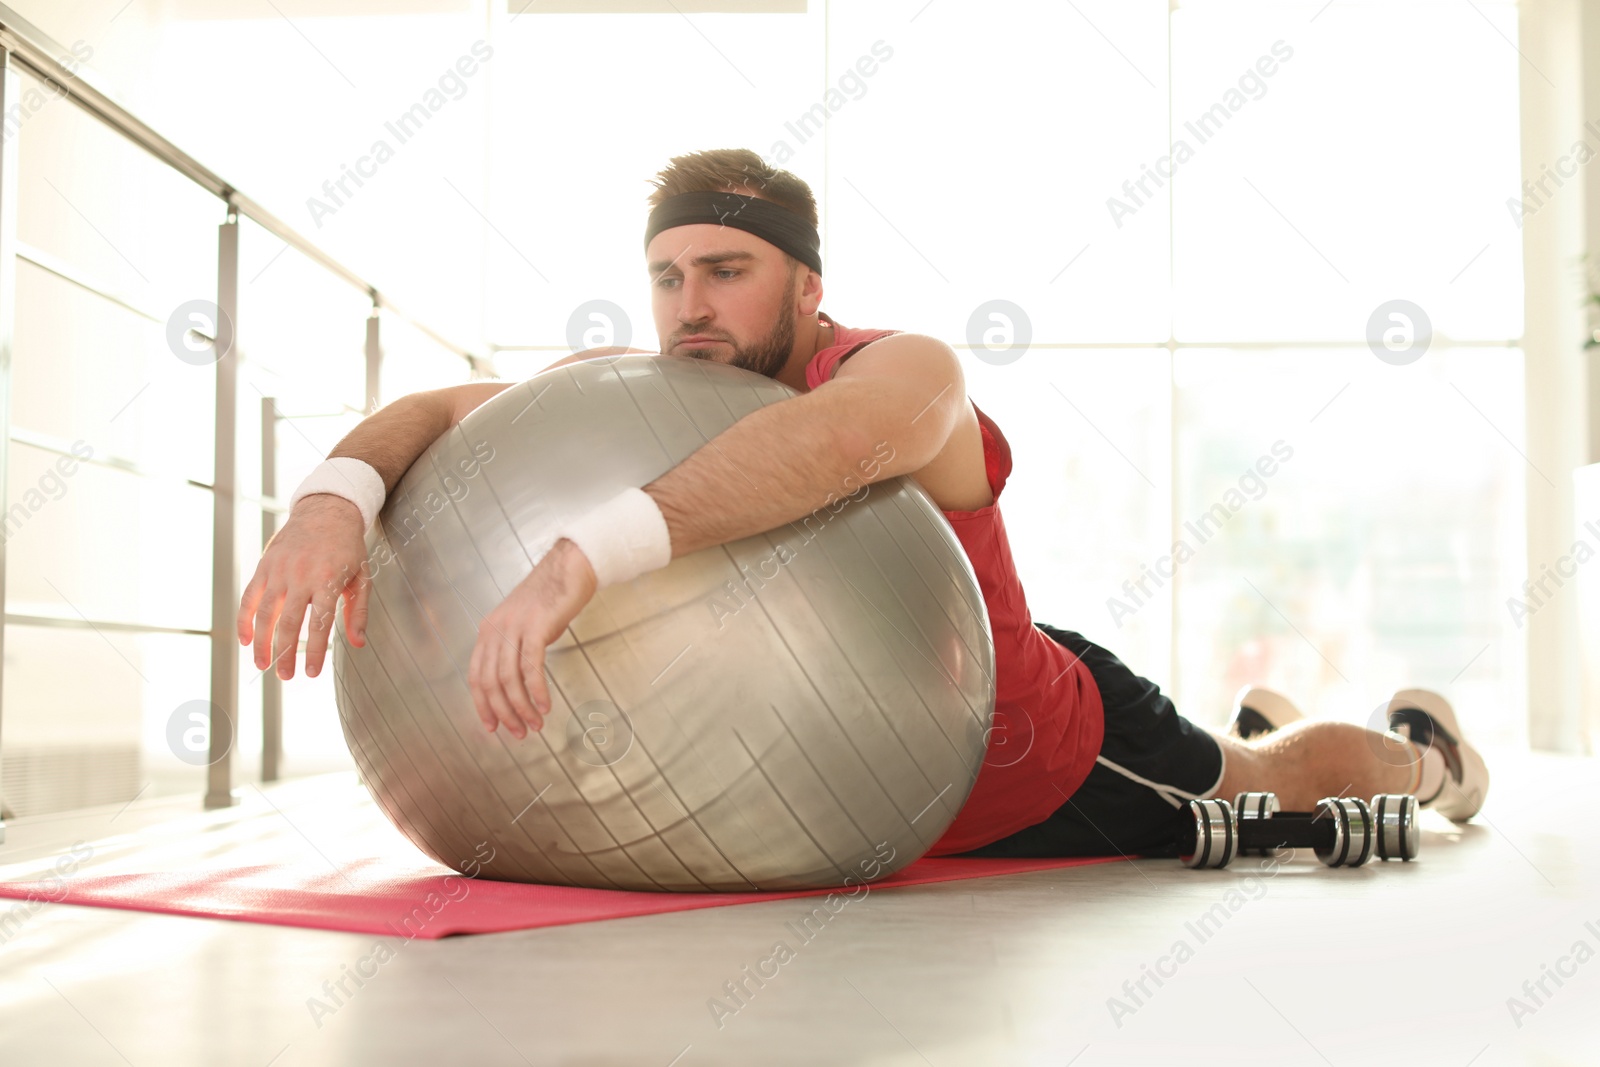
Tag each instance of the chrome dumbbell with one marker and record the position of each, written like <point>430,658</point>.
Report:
<point>1342,831</point>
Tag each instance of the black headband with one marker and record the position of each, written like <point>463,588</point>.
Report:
<point>776,225</point>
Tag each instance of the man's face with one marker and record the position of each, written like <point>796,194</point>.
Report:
<point>722,294</point>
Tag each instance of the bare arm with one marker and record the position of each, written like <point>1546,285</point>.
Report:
<point>393,437</point>
<point>317,557</point>
<point>888,411</point>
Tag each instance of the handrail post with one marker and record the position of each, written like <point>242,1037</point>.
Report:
<point>224,546</point>
<point>10,92</point>
<point>271,687</point>
<point>374,360</point>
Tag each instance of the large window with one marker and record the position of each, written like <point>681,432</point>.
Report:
<point>1193,217</point>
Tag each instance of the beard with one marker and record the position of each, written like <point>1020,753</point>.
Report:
<point>770,354</point>
<point>767,355</point>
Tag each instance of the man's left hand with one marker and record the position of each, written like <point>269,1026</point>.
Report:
<point>507,670</point>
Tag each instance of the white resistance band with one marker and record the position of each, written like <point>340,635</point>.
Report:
<point>345,476</point>
<point>622,538</point>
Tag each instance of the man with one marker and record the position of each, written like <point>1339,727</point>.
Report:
<point>1086,758</point>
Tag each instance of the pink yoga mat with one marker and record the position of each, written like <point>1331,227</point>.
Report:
<point>426,901</point>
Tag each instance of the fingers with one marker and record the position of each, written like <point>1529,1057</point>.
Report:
<point>324,607</point>
<point>484,651</point>
<point>247,607</point>
<point>500,668</point>
<point>489,690</point>
<point>266,616</point>
<point>286,635</point>
<point>314,559</point>
<point>533,676</point>
<point>511,666</point>
<point>355,607</point>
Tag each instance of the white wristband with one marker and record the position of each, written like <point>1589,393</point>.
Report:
<point>354,479</point>
<point>622,538</point>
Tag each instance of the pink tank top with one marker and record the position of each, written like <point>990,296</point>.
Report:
<point>1048,719</point>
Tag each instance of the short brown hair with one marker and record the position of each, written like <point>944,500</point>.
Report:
<point>734,170</point>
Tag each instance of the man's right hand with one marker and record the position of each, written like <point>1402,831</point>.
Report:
<point>316,558</point>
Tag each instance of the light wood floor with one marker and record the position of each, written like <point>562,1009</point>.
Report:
<point>1388,964</point>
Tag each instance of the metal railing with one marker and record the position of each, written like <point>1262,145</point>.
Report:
<point>26,49</point>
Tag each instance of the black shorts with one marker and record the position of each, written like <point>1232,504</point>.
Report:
<point>1151,763</point>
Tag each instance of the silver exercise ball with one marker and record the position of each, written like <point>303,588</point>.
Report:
<point>804,708</point>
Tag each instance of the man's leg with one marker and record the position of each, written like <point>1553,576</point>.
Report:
<point>1311,759</point>
<point>1422,753</point>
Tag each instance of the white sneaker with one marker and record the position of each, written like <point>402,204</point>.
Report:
<point>1258,711</point>
<point>1428,720</point>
